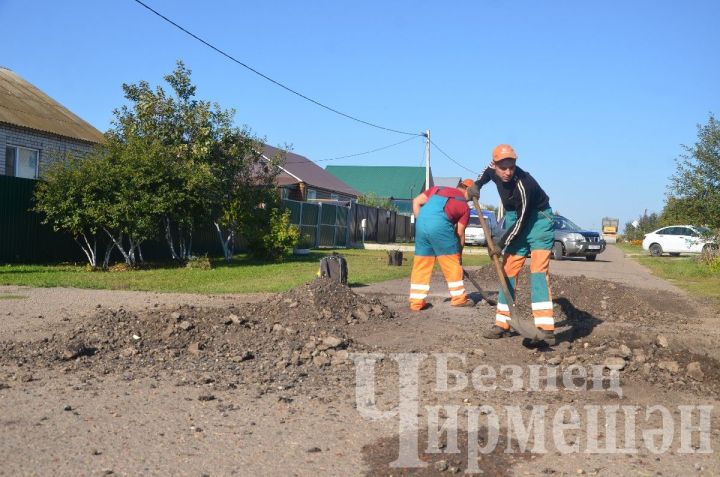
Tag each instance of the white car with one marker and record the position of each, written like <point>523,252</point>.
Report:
<point>677,239</point>
<point>474,234</point>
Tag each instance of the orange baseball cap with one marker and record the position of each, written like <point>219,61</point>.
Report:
<point>503,151</point>
<point>468,182</point>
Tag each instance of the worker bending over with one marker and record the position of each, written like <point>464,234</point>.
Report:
<point>529,223</point>
<point>441,215</point>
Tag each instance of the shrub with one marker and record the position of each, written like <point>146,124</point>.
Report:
<point>306,241</point>
<point>710,258</point>
<point>274,239</point>
<point>199,263</point>
<point>714,265</point>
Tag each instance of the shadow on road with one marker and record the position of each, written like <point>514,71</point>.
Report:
<point>580,322</point>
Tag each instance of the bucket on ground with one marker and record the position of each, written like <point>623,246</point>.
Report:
<point>334,267</point>
<point>395,258</point>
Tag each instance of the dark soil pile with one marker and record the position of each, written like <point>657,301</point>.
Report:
<point>582,297</point>
<point>497,463</point>
<point>283,342</point>
<point>652,360</point>
<point>583,303</point>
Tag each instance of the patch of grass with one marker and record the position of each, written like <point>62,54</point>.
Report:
<point>630,249</point>
<point>242,275</point>
<point>685,271</point>
<point>12,297</point>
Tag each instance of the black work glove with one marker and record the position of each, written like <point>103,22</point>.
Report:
<point>499,247</point>
<point>496,252</point>
<point>473,192</point>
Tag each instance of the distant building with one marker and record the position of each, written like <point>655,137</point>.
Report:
<point>397,183</point>
<point>447,181</point>
<point>303,180</point>
<point>36,130</point>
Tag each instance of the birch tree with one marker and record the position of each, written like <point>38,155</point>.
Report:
<point>187,131</point>
<point>68,198</point>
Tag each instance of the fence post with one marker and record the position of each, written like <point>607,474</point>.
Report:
<point>348,214</point>
<point>300,222</point>
<point>319,225</point>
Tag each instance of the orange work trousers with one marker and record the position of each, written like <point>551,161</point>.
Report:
<point>422,273</point>
<point>540,293</point>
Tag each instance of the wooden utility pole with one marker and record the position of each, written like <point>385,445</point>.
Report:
<point>427,159</point>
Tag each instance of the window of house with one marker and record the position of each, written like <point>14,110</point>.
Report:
<point>311,194</point>
<point>21,162</point>
<point>334,196</point>
<point>284,193</point>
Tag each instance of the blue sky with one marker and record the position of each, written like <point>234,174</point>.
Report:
<point>596,97</point>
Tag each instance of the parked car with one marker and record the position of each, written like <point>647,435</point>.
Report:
<point>573,241</point>
<point>474,234</point>
<point>677,239</point>
<point>570,240</point>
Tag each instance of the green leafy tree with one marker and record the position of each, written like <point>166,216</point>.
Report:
<point>246,182</point>
<point>134,176</point>
<point>372,200</point>
<point>69,198</point>
<point>187,131</point>
<point>694,192</point>
<point>637,229</point>
<point>275,236</point>
<point>170,163</point>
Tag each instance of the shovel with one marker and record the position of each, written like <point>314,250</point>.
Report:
<point>475,284</point>
<point>525,327</point>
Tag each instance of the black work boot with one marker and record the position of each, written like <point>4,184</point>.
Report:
<point>495,333</point>
<point>547,336</point>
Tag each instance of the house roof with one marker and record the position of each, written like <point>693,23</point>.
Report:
<point>447,181</point>
<point>298,168</point>
<point>384,181</point>
<point>22,104</point>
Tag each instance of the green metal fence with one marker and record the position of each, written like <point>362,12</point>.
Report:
<point>321,225</point>
<point>23,237</point>
<point>333,226</point>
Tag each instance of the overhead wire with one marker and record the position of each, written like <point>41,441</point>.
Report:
<point>357,154</point>
<point>453,160</point>
<point>232,58</point>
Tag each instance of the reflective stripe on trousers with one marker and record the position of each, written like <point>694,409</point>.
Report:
<point>422,274</point>
<point>540,294</point>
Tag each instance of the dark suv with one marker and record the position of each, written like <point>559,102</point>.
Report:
<point>573,241</point>
<point>570,240</point>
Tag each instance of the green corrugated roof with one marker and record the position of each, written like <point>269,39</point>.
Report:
<point>384,181</point>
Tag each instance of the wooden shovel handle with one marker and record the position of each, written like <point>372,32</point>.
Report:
<point>495,259</point>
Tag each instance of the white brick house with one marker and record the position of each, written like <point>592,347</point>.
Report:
<point>36,130</point>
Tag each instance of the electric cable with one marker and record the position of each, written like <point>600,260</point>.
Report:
<point>232,58</point>
<point>359,153</point>
<point>453,160</point>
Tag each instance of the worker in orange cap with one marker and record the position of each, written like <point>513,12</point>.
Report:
<point>442,214</point>
<point>529,223</point>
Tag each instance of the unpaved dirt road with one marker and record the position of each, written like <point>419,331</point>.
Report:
<point>156,384</point>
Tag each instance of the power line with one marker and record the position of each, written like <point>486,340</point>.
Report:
<point>359,153</point>
<point>230,57</point>
<point>453,160</point>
